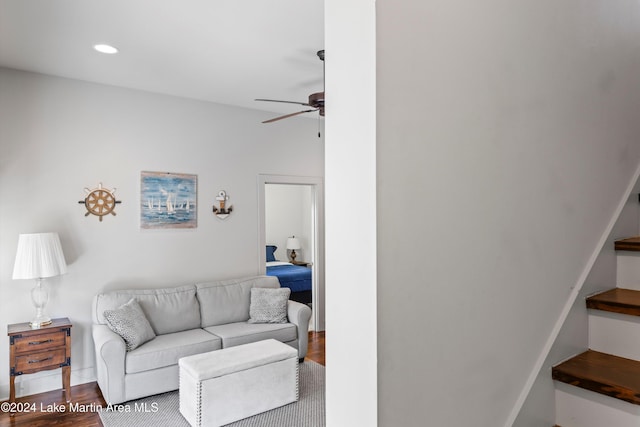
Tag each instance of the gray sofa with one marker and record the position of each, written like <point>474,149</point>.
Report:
<point>187,320</point>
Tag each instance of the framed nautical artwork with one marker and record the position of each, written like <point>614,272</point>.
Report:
<point>168,200</point>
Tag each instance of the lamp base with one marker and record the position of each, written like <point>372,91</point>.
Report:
<point>293,256</point>
<point>39,322</point>
<point>40,296</point>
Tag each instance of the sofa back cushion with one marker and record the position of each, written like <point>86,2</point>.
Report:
<point>168,310</point>
<point>228,301</point>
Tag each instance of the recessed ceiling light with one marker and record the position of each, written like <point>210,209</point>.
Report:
<point>105,48</point>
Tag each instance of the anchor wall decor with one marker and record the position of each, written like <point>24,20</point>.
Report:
<point>223,211</point>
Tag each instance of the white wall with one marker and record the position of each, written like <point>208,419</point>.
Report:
<point>288,213</point>
<point>507,133</point>
<point>58,136</point>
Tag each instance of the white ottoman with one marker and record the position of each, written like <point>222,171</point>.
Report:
<point>227,385</point>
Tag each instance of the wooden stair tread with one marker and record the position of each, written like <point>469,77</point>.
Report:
<point>617,300</point>
<point>602,373</point>
<point>630,244</point>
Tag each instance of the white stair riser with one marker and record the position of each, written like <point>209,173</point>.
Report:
<point>614,333</point>
<point>583,408</point>
<point>628,270</point>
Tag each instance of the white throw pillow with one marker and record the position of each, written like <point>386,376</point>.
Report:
<point>269,305</point>
<point>130,323</point>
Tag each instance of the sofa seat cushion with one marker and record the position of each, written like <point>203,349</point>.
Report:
<point>167,349</point>
<point>239,333</point>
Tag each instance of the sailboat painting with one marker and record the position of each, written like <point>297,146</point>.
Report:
<point>168,200</point>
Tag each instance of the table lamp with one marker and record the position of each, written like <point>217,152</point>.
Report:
<point>39,256</point>
<point>293,243</point>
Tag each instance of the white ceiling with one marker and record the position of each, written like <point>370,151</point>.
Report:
<point>224,51</point>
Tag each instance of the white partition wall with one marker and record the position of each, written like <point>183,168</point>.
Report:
<point>350,138</point>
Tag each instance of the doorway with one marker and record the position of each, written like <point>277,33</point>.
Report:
<point>304,196</point>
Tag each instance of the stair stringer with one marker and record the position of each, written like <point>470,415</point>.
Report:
<point>618,223</point>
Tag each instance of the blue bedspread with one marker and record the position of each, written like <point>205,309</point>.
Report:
<point>295,277</point>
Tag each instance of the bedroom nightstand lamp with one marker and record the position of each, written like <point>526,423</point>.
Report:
<point>293,243</point>
<point>39,256</point>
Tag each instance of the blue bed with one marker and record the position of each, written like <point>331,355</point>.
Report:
<point>295,277</point>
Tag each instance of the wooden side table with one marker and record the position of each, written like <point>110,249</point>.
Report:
<point>301,263</point>
<point>35,350</point>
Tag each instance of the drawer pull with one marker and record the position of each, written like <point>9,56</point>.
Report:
<point>41,360</point>
<point>40,342</point>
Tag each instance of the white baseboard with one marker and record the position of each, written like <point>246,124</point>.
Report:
<point>41,382</point>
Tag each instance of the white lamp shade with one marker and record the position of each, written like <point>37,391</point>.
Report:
<point>293,243</point>
<point>39,256</point>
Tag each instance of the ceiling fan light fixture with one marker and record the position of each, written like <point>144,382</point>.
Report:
<point>105,48</point>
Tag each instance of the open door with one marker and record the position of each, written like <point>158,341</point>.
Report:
<point>311,225</point>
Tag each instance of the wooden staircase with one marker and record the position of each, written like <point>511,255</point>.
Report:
<point>610,370</point>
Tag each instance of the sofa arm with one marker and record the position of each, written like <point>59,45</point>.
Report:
<point>299,314</point>
<point>110,360</point>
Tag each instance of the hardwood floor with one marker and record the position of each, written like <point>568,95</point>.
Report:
<point>315,350</point>
<point>45,409</point>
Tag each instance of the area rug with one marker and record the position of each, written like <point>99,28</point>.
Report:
<point>164,409</point>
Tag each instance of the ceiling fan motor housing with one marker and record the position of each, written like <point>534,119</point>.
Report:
<point>316,100</point>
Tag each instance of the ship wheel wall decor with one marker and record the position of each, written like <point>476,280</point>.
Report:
<point>100,201</point>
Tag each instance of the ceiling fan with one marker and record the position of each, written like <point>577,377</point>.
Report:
<point>316,101</point>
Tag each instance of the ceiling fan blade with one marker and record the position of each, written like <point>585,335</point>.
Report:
<point>288,115</point>
<point>286,102</point>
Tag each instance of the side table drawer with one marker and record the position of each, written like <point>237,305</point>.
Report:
<point>40,342</point>
<point>41,360</point>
